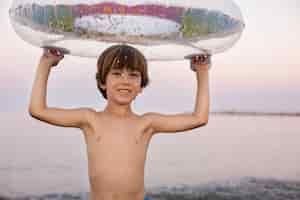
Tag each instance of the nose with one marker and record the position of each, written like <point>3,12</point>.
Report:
<point>125,77</point>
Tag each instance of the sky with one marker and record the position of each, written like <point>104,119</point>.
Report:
<point>259,73</point>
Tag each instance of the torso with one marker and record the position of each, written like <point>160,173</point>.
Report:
<point>116,150</point>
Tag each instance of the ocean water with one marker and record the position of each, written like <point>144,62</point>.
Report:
<point>233,157</point>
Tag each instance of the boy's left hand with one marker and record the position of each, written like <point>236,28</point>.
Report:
<point>201,62</point>
<point>51,57</point>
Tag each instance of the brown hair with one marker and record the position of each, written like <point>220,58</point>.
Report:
<point>119,57</point>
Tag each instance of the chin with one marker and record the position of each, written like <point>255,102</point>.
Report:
<point>124,100</point>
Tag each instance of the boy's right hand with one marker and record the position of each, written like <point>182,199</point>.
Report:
<point>201,61</point>
<point>51,57</point>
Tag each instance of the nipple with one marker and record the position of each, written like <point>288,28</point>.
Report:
<point>98,138</point>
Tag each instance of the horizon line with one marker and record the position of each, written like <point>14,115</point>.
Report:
<point>256,113</point>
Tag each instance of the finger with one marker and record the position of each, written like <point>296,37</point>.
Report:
<point>198,57</point>
<point>55,64</point>
<point>195,59</point>
<point>60,53</point>
<point>61,56</point>
<point>54,52</point>
<point>204,59</point>
<point>49,53</point>
<point>46,52</point>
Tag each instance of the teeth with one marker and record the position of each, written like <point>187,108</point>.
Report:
<point>123,90</point>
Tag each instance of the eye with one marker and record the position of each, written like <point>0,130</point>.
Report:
<point>133,74</point>
<point>116,73</point>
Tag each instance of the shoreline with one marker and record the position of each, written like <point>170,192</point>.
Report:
<point>261,188</point>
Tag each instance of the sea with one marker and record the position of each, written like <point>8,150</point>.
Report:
<point>235,156</point>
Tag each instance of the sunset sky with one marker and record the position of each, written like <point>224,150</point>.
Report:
<point>260,73</point>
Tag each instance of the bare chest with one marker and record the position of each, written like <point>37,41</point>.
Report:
<point>119,136</point>
<point>116,154</point>
<point>119,141</point>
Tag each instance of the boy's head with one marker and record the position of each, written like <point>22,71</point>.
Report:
<point>120,57</point>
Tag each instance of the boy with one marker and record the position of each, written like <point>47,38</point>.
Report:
<point>116,138</point>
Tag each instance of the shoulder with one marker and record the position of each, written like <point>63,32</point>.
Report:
<point>146,120</point>
<point>149,117</point>
<point>91,118</point>
<point>88,115</point>
<point>88,112</point>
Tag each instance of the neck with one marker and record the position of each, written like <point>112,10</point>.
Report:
<point>118,110</point>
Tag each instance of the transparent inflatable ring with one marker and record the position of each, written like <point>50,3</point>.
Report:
<point>161,30</point>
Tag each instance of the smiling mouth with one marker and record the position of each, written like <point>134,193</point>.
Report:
<point>124,91</point>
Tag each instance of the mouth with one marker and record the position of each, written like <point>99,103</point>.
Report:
<point>124,91</point>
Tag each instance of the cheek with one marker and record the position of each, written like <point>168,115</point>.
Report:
<point>138,83</point>
<point>110,81</point>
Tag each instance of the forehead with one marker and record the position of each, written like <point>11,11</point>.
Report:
<point>123,65</point>
<point>125,69</point>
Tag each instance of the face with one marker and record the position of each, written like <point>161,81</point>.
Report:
<point>122,85</point>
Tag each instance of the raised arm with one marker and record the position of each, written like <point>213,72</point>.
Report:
<point>38,108</point>
<point>187,121</point>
